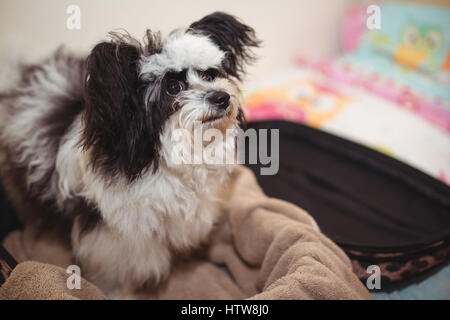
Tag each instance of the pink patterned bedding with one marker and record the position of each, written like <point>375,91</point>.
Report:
<point>359,109</point>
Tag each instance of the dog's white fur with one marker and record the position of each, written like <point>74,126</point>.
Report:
<point>18,132</point>
<point>181,51</point>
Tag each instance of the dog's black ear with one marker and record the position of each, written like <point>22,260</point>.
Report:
<point>115,119</point>
<point>232,36</point>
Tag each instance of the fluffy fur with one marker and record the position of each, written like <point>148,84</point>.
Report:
<point>93,138</point>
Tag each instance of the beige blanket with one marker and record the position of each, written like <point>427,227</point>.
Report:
<point>264,248</point>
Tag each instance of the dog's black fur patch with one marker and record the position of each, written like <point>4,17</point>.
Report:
<point>232,37</point>
<point>64,107</point>
<point>121,128</point>
<point>122,134</point>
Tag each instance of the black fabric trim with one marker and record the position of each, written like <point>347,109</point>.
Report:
<point>7,264</point>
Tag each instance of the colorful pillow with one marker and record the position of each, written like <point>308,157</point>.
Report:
<point>413,35</point>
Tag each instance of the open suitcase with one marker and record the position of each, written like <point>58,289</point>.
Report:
<point>379,210</point>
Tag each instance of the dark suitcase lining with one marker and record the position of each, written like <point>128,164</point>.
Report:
<point>361,199</point>
<point>379,210</point>
<point>8,217</point>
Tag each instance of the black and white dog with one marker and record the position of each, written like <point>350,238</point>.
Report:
<point>98,131</point>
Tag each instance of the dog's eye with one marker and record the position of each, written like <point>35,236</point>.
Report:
<point>174,87</point>
<point>209,75</point>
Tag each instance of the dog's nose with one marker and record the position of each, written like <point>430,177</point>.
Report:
<point>219,99</point>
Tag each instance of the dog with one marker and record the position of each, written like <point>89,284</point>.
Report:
<point>92,136</point>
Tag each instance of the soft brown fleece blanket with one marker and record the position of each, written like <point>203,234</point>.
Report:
<point>263,248</point>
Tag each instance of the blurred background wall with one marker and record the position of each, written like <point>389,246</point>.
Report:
<point>287,27</point>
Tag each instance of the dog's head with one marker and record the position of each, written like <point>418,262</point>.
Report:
<point>134,93</point>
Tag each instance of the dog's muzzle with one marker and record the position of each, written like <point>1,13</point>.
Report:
<point>218,99</point>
